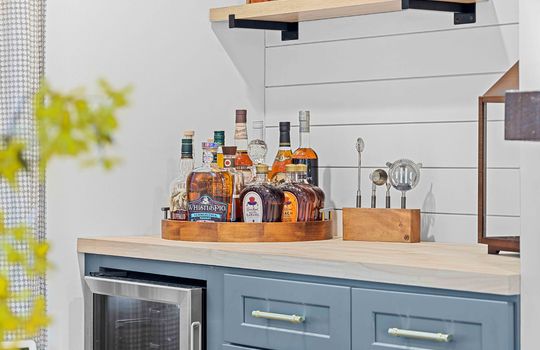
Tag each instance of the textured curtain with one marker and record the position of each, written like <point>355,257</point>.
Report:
<point>21,69</point>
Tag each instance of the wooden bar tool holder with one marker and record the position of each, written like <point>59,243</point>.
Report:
<point>381,225</point>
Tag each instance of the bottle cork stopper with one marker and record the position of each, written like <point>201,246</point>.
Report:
<point>241,116</point>
<point>229,150</point>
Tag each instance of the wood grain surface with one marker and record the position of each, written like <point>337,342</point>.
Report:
<point>465,267</point>
<point>247,232</point>
<point>381,225</point>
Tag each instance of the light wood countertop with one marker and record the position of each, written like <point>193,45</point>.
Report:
<point>434,265</point>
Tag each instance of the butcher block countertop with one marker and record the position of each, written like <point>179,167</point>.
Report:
<point>434,265</point>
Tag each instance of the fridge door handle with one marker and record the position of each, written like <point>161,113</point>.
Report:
<point>195,325</point>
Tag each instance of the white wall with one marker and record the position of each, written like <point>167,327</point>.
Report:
<point>408,83</point>
<point>529,14</point>
<point>187,74</point>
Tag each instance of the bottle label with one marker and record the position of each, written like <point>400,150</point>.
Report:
<point>207,209</point>
<point>290,208</point>
<point>252,207</point>
<point>240,131</point>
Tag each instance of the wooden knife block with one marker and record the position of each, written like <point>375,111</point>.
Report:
<point>381,225</point>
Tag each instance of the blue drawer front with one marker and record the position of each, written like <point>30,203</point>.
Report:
<point>472,324</point>
<point>326,312</point>
<point>234,347</point>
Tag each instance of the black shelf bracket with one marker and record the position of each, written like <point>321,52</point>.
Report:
<point>289,30</point>
<point>463,13</point>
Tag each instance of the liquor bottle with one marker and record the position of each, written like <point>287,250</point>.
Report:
<point>305,154</point>
<point>219,139</point>
<point>237,183</point>
<point>284,154</point>
<point>178,197</point>
<point>261,201</point>
<point>209,190</point>
<point>243,162</point>
<point>302,180</point>
<point>257,148</point>
<point>299,200</point>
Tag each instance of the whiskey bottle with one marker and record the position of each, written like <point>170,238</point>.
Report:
<point>237,182</point>
<point>243,162</point>
<point>261,201</point>
<point>302,180</point>
<point>305,154</point>
<point>257,148</point>
<point>284,154</point>
<point>178,196</point>
<point>219,139</point>
<point>299,200</point>
<point>209,190</point>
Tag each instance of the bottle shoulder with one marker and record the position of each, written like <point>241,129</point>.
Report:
<point>305,153</point>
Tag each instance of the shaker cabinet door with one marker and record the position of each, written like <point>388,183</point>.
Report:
<point>394,320</point>
<point>286,315</point>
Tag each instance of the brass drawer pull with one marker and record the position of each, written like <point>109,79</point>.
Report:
<point>278,317</point>
<point>404,333</point>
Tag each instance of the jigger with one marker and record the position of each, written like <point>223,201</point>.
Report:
<point>378,178</point>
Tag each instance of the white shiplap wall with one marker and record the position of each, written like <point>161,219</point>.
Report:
<point>406,82</point>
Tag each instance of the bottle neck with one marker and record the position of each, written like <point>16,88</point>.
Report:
<point>292,177</point>
<point>284,140</point>
<point>207,157</point>
<point>186,165</point>
<point>305,141</point>
<point>260,178</point>
<point>241,137</point>
<point>258,134</point>
<point>301,177</point>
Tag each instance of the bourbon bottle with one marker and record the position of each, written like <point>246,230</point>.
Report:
<point>209,190</point>
<point>243,162</point>
<point>305,154</point>
<point>303,181</point>
<point>284,154</point>
<point>261,201</point>
<point>299,200</point>
<point>237,182</point>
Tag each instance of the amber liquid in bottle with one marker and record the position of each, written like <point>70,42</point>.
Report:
<point>299,200</point>
<point>278,173</point>
<point>261,201</point>
<point>302,181</point>
<point>243,161</point>
<point>305,154</point>
<point>237,183</point>
<point>209,190</point>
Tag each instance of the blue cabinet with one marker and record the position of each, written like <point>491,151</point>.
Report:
<point>286,315</point>
<point>249,309</point>
<point>396,320</point>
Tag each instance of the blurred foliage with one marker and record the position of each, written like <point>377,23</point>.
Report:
<point>73,124</point>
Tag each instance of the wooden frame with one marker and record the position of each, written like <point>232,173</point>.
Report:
<point>496,94</point>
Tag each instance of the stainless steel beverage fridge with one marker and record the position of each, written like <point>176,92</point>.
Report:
<point>134,311</point>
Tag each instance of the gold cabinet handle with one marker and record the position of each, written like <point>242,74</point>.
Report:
<point>278,317</point>
<point>404,333</point>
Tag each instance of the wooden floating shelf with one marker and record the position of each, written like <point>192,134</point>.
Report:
<point>309,10</point>
<point>247,232</point>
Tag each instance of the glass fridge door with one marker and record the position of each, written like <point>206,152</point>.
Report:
<point>129,324</point>
<point>131,315</point>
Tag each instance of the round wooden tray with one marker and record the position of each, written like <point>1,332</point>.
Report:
<point>247,232</point>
